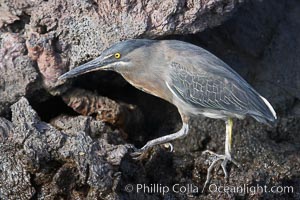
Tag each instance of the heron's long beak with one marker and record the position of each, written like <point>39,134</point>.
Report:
<point>96,64</point>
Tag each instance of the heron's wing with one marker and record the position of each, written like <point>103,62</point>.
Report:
<point>206,81</point>
<point>204,89</point>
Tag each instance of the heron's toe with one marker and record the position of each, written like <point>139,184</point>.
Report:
<point>213,154</point>
<point>238,165</point>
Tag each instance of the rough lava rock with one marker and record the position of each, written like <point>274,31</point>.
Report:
<point>49,162</point>
<point>18,74</point>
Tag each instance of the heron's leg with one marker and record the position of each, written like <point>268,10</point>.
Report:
<point>164,139</point>
<point>227,157</point>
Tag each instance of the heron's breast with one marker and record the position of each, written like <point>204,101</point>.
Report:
<point>150,85</point>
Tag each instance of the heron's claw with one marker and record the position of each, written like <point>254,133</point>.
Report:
<point>214,159</point>
<point>168,146</point>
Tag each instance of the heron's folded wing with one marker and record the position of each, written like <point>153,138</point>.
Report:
<point>218,87</point>
<point>204,89</point>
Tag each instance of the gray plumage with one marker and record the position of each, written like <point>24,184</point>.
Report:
<point>206,82</point>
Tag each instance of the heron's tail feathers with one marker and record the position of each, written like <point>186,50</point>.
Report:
<point>264,120</point>
<point>264,112</point>
<point>269,106</point>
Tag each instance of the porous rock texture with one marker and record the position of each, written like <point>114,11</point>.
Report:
<point>73,139</point>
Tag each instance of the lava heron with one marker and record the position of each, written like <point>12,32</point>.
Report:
<point>191,78</point>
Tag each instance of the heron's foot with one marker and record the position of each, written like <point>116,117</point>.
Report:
<point>214,159</point>
<point>144,152</point>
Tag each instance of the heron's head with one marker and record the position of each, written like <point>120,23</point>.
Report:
<point>119,57</point>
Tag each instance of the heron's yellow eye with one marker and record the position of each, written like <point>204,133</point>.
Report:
<point>117,55</point>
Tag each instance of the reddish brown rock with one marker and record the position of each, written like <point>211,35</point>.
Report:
<point>50,63</point>
<point>116,113</point>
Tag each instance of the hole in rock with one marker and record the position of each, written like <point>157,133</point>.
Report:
<point>51,108</point>
<point>160,117</point>
<point>19,25</point>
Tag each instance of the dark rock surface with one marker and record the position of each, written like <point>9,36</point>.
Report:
<point>18,74</point>
<point>49,151</point>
